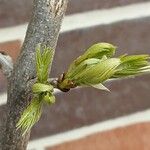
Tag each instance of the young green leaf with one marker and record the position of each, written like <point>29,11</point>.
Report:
<point>43,62</point>
<point>30,116</point>
<point>76,71</point>
<point>91,72</point>
<point>95,67</point>
<point>40,88</point>
<point>133,65</point>
<point>99,72</point>
<point>97,51</point>
<point>49,98</point>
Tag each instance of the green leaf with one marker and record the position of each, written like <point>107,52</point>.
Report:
<point>40,88</point>
<point>30,116</point>
<point>99,72</point>
<point>97,51</point>
<point>49,98</point>
<point>74,73</point>
<point>43,62</point>
<point>133,58</point>
<point>91,72</point>
<point>133,65</point>
<point>42,91</point>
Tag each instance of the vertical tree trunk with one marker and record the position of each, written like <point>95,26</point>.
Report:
<point>43,28</point>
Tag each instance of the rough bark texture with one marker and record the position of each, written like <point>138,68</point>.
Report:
<point>43,28</point>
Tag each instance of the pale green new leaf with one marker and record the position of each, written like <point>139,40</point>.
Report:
<point>74,73</point>
<point>30,116</point>
<point>95,66</point>
<point>49,98</point>
<point>99,72</point>
<point>97,51</point>
<point>43,61</point>
<point>40,88</point>
<point>133,65</point>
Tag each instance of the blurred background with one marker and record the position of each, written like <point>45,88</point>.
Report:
<point>88,119</point>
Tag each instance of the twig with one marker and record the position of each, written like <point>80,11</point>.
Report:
<point>43,28</point>
<point>6,63</point>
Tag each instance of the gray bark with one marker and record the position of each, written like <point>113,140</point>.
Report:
<point>6,64</point>
<point>43,28</point>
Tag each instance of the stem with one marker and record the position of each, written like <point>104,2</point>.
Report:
<point>6,64</point>
<point>43,28</point>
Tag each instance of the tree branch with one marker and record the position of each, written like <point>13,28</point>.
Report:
<point>43,28</point>
<point>6,64</point>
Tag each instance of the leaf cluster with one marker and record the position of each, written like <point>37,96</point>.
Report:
<point>43,60</point>
<point>96,66</point>
<point>93,68</point>
<point>42,91</point>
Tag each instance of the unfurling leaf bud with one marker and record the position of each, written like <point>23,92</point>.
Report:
<point>99,73</point>
<point>49,98</point>
<point>132,65</point>
<point>30,116</point>
<point>83,66</point>
<point>97,51</point>
<point>92,68</point>
<point>42,91</point>
<point>95,67</point>
<point>92,72</point>
<point>43,62</point>
<point>40,88</point>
